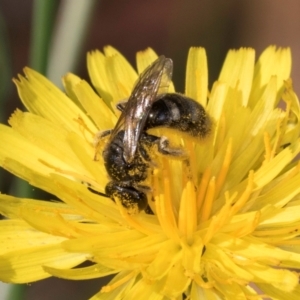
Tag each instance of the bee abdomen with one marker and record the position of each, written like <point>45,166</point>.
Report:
<point>182,113</point>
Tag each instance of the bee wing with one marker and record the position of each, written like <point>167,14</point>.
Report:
<point>152,82</point>
<point>166,77</point>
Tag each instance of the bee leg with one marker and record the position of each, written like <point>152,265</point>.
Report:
<point>101,134</point>
<point>131,198</point>
<point>121,105</point>
<point>97,140</point>
<point>143,188</point>
<point>147,141</point>
<point>96,192</point>
<point>148,210</point>
<point>163,147</point>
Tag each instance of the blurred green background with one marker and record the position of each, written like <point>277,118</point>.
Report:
<point>53,37</point>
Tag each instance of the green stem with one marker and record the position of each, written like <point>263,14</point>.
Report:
<point>73,21</point>
<point>42,25</point>
<point>69,37</point>
<point>17,291</point>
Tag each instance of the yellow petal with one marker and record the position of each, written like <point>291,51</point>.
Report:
<point>146,58</point>
<point>121,77</point>
<point>196,85</point>
<point>43,98</point>
<point>237,72</point>
<point>26,265</point>
<point>54,143</point>
<point>11,207</point>
<point>24,235</point>
<point>280,195</point>
<point>96,170</point>
<point>97,72</point>
<point>112,75</point>
<point>94,271</point>
<point>217,99</point>
<point>177,282</point>
<point>98,111</point>
<point>167,256</point>
<point>272,62</point>
<point>69,82</point>
<point>119,286</point>
<point>54,225</point>
<point>276,293</point>
<point>19,149</point>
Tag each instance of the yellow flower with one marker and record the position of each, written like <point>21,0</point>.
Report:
<point>225,226</point>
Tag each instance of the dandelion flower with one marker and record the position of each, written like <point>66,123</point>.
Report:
<point>224,226</point>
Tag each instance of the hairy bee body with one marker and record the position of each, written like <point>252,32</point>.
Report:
<point>126,155</point>
<point>181,113</point>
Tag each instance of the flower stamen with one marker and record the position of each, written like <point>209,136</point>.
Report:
<point>77,176</point>
<point>163,207</point>
<point>270,151</point>
<point>187,220</point>
<point>203,188</point>
<point>277,138</point>
<point>248,226</point>
<point>192,157</point>
<point>84,127</point>
<point>224,216</point>
<point>268,148</point>
<point>132,220</point>
<point>110,287</point>
<point>224,168</point>
<point>200,282</point>
<point>240,203</point>
<point>288,104</point>
<point>278,232</point>
<point>208,201</point>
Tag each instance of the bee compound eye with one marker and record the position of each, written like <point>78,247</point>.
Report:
<point>131,198</point>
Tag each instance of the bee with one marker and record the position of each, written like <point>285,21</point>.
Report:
<point>181,113</point>
<point>126,155</point>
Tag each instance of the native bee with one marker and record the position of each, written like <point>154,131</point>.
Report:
<point>126,154</point>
